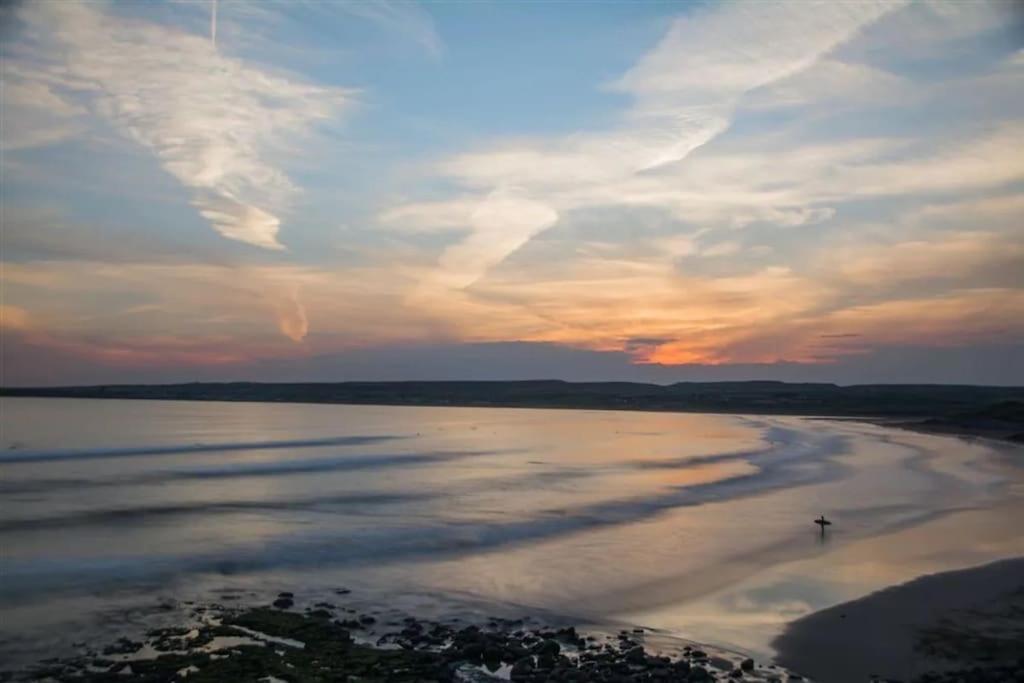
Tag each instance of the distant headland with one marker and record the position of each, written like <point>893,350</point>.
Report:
<point>997,412</point>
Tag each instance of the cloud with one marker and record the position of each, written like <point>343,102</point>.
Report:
<point>771,193</point>
<point>722,249</point>
<point>404,18</point>
<point>216,124</point>
<point>504,221</point>
<point>238,221</point>
<point>291,317</point>
<point>429,217</point>
<point>34,114</point>
<point>13,317</point>
<point>984,161</point>
<point>955,319</point>
<point>45,232</point>
<point>957,256</point>
<point>831,82</point>
<point>253,310</point>
<point>35,365</point>
<point>685,93</point>
<point>726,50</point>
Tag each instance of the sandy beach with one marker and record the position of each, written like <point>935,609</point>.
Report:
<point>180,516</point>
<point>358,341</point>
<point>953,626</point>
<point>948,621</point>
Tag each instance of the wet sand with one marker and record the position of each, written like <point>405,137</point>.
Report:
<point>593,518</point>
<point>951,620</point>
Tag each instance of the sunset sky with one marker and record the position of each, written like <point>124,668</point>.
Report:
<point>653,191</point>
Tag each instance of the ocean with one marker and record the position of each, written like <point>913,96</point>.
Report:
<point>694,525</point>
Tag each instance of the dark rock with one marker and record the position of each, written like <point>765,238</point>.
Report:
<point>698,673</point>
<point>546,661</point>
<point>468,633</point>
<point>522,670</point>
<point>720,663</point>
<point>122,646</point>
<point>472,652</point>
<point>747,664</point>
<point>636,655</point>
<point>514,652</point>
<point>283,603</point>
<point>548,648</point>
<point>492,657</point>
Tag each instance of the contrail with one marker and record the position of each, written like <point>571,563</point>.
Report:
<point>213,24</point>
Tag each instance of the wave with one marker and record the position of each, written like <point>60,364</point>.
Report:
<point>360,462</point>
<point>133,451</point>
<point>248,469</point>
<point>793,459</point>
<point>139,513</point>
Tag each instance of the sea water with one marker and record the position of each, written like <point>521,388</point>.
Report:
<point>697,525</point>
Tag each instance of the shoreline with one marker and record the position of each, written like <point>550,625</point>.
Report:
<point>614,658</point>
<point>919,423</point>
<point>945,622</point>
<point>931,629</point>
<point>294,637</point>
<point>1001,438</point>
<point>897,401</point>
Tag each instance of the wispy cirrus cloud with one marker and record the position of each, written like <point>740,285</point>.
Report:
<point>34,114</point>
<point>805,182</point>
<point>728,62</point>
<point>685,93</point>
<point>403,17</point>
<point>216,124</point>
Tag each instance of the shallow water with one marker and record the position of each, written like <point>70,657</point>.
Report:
<point>697,524</point>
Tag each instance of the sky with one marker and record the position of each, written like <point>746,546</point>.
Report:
<point>649,191</point>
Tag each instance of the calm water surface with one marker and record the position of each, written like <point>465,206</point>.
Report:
<point>696,524</point>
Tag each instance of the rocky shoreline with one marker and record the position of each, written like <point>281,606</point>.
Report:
<point>329,641</point>
<point>290,639</point>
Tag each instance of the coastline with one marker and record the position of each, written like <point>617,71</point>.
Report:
<point>991,413</point>
<point>999,438</point>
<point>296,637</point>
<point>950,621</point>
<point>615,658</point>
<point>880,401</point>
<point>931,629</point>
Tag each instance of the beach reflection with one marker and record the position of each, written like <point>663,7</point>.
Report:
<point>697,524</point>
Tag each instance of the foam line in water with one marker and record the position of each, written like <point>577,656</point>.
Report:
<point>795,459</point>
<point>356,462</point>
<point>251,469</point>
<point>141,513</point>
<point>132,451</point>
